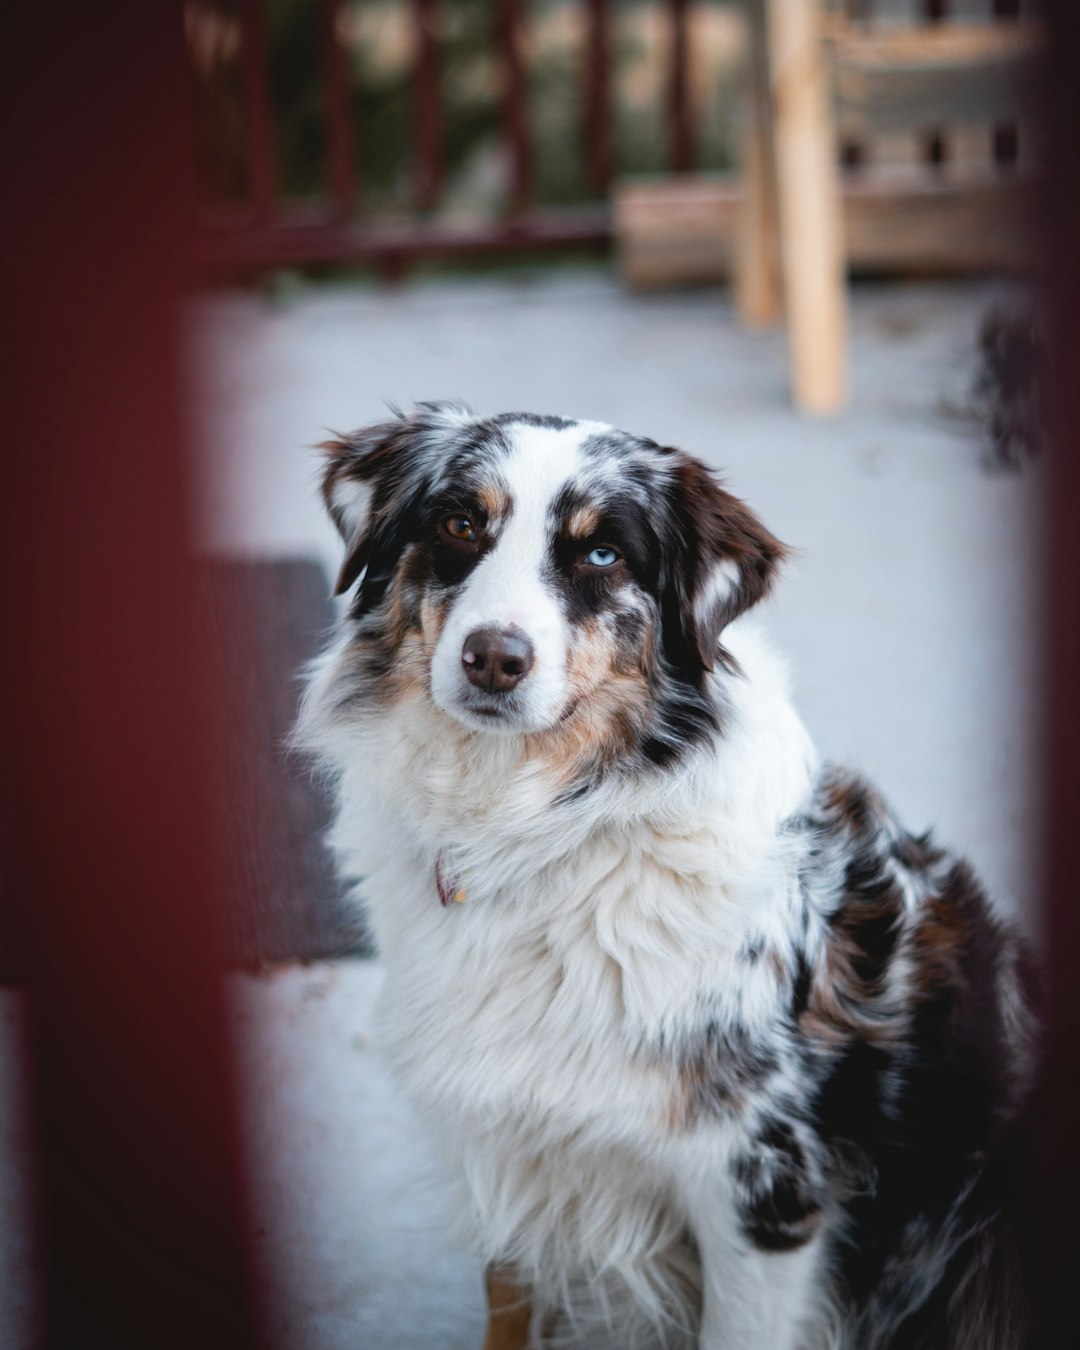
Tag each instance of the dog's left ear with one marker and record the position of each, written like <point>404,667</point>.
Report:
<point>726,564</point>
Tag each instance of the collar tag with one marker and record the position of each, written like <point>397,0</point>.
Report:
<point>449,886</point>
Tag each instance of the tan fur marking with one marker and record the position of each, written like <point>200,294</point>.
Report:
<point>603,726</point>
<point>433,616</point>
<point>494,500</point>
<point>593,656</point>
<point>842,1006</point>
<point>852,804</point>
<point>684,1108</point>
<point>411,676</point>
<point>404,636</point>
<point>827,1016</point>
<point>584,522</point>
<point>688,1101</point>
<point>609,700</point>
<point>939,936</point>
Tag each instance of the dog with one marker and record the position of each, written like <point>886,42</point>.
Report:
<point>716,1052</point>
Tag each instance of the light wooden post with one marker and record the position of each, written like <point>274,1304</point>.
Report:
<point>509,1311</point>
<point>756,273</point>
<point>808,188</point>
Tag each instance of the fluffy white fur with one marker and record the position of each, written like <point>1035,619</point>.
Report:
<point>521,1021</point>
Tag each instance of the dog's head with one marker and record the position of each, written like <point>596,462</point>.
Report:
<point>535,572</point>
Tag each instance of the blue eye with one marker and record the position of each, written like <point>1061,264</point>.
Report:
<point>601,556</point>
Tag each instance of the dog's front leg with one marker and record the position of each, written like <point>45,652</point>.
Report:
<point>752,1298</point>
<point>509,1311</point>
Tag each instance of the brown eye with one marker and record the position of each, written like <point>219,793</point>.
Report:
<point>460,528</point>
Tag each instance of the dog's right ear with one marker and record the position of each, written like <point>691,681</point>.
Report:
<point>373,484</point>
<point>357,469</point>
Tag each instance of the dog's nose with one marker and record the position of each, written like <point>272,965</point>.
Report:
<point>496,659</point>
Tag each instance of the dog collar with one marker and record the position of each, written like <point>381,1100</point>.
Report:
<point>448,884</point>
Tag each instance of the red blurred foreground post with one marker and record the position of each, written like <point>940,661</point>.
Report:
<point>1054,1161</point>
<point>108,876</point>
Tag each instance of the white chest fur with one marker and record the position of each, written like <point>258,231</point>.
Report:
<point>537,1026</point>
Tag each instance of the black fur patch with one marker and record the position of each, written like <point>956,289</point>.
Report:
<point>779,1193</point>
<point>918,1078</point>
<point>721,1066</point>
<point>545,420</point>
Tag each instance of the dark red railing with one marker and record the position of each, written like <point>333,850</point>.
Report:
<point>267,232</point>
<point>262,177</point>
<point>340,140</point>
<point>682,136</point>
<point>514,109</point>
<point>427,128</point>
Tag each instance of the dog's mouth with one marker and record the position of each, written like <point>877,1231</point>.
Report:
<point>489,713</point>
<point>506,714</point>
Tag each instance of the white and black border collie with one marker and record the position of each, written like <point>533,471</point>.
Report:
<point>719,1054</point>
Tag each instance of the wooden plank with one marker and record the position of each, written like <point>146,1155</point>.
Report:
<point>808,195</point>
<point>934,145</point>
<point>656,209</point>
<point>948,74</point>
<point>852,150</point>
<point>950,223</point>
<point>680,232</point>
<point>230,243</point>
<point>510,1312</point>
<point>1005,137</point>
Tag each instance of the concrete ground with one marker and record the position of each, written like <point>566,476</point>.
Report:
<point>909,615</point>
